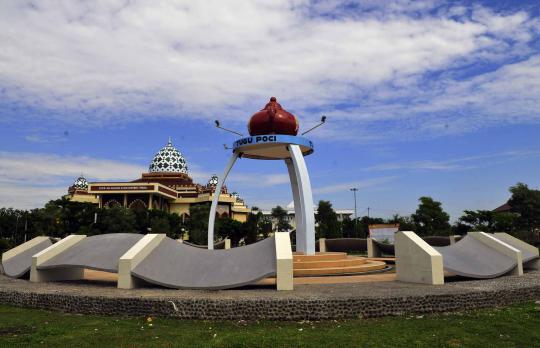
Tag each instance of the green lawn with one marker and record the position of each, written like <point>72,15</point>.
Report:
<point>516,326</point>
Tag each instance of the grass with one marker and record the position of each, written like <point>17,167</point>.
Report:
<point>514,326</point>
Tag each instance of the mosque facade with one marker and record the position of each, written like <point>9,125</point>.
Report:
<point>167,186</point>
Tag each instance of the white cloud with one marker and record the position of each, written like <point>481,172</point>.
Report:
<point>28,180</point>
<point>28,197</point>
<point>92,62</point>
<point>39,169</point>
<point>463,163</point>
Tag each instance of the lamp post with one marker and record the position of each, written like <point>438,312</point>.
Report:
<point>354,189</point>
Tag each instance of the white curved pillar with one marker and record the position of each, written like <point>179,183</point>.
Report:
<point>305,240</point>
<point>213,208</point>
<point>298,212</point>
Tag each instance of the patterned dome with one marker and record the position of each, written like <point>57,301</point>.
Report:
<point>213,181</point>
<point>80,183</point>
<point>235,195</point>
<point>168,159</point>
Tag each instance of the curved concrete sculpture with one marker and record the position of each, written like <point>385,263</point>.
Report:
<point>474,259</point>
<point>174,265</point>
<point>17,261</point>
<point>99,252</point>
<point>477,255</point>
<point>529,252</point>
<point>153,258</point>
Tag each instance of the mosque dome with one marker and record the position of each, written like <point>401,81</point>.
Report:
<point>168,160</point>
<point>235,195</point>
<point>273,119</point>
<point>212,183</point>
<point>80,183</point>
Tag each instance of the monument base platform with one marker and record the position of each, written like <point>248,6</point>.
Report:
<point>333,263</point>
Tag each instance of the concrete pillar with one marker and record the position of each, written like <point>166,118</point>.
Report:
<point>150,201</point>
<point>100,200</point>
<point>46,275</point>
<point>298,211</point>
<point>322,245</point>
<point>305,240</point>
<point>125,200</point>
<point>372,248</point>
<point>416,260</point>
<point>133,257</point>
<point>284,261</point>
<point>501,247</point>
<point>227,243</point>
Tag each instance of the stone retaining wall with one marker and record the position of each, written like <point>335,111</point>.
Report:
<point>267,308</point>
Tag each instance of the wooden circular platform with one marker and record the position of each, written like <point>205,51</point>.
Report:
<point>333,263</point>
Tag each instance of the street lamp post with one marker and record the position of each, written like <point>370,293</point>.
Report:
<point>354,189</point>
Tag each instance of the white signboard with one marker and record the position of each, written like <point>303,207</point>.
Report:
<point>383,233</point>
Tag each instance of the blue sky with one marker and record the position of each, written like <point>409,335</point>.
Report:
<point>422,98</point>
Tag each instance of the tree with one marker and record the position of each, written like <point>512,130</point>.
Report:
<point>487,221</point>
<point>406,223</point>
<point>117,220</point>
<point>365,221</point>
<point>526,203</point>
<point>198,223</point>
<point>256,226</point>
<point>161,225</point>
<point>232,229</point>
<point>177,226</point>
<point>4,245</point>
<point>281,217</point>
<point>326,218</point>
<point>430,219</point>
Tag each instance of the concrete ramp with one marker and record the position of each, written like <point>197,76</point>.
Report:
<point>99,252</point>
<point>474,259</point>
<point>17,261</point>
<point>529,252</point>
<point>175,265</point>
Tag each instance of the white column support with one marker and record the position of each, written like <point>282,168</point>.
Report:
<point>133,257</point>
<point>416,260</point>
<point>305,242</point>
<point>284,261</point>
<point>298,211</point>
<point>46,275</point>
<point>213,208</point>
<point>372,248</point>
<point>322,245</point>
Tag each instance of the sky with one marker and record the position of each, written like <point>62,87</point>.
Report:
<point>422,98</point>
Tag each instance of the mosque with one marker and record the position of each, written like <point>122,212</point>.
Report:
<point>167,186</point>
